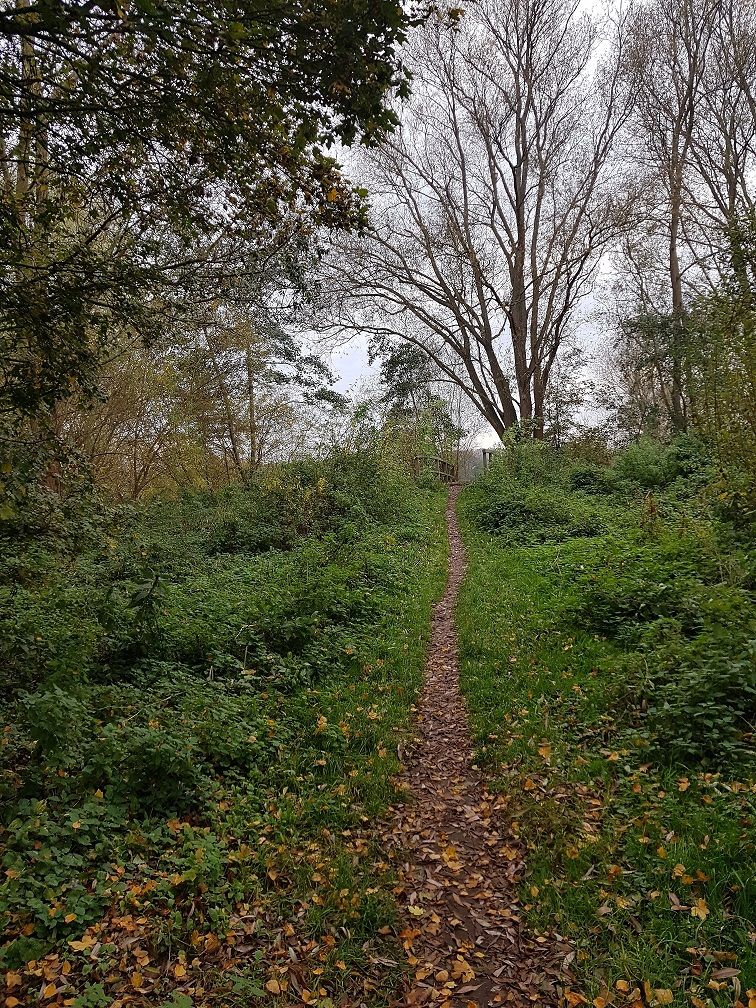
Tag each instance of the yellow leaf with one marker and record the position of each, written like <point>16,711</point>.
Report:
<point>416,911</point>
<point>12,980</point>
<point>332,195</point>
<point>76,825</point>
<point>661,851</point>
<point>273,987</point>
<point>683,784</point>
<point>69,917</point>
<point>450,856</point>
<point>179,970</point>
<point>462,970</point>
<point>622,985</point>
<point>700,909</point>
<point>137,979</point>
<point>574,999</point>
<point>50,991</point>
<point>529,784</point>
<point>664,996</point>
<point>545,751</point>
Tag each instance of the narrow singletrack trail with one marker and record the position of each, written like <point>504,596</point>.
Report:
<point>458,869</point>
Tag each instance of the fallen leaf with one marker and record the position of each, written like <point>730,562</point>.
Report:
<point>700,909</point>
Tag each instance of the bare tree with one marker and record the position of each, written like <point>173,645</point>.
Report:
<point>493,205</point>
<point>691,66</point>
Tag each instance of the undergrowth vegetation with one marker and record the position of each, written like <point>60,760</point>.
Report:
<point>201,718</point>
<point>608,640</point>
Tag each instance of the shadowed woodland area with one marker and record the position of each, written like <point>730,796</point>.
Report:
<point>286,720</point>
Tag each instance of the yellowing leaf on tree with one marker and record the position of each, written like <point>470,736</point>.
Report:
<point>700,909</point>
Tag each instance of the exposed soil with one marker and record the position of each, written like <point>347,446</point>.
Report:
<point>458,867</point>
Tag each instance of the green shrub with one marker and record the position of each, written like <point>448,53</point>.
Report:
<point>653,464</point>
<point>536,514</point>
<point>701,695</point>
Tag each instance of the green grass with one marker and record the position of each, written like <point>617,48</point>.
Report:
<point>198,807</point>
<point>639,850</point>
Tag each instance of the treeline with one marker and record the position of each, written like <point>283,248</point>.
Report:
<point>175,229</point>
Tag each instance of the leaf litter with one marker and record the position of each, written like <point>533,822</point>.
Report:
<point>458,864</point>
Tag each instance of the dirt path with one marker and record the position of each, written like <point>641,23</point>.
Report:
<point>457,868</point>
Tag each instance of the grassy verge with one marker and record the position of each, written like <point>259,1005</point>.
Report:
<point>605,632</point>
<point>187,823</point>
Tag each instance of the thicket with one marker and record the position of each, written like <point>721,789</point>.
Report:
<point>608,633</point>
<point>199,699</point>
